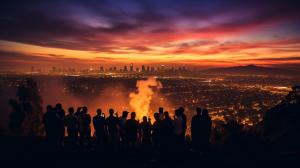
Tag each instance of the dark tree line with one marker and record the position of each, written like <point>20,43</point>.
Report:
<point>27,110</point>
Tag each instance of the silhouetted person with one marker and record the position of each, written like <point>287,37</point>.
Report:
<point>167,131</point>
<point>59,110</point>
<point>78,112</point>
<point>131,129</point>
<point>61,115</point>
<point>52,126</point>
<point>84,126</point>
<point>71,122</point>
<point>112,128</point>
<point>195,130</point>
<point>178,129</point>
<point>99,126</point>
<point>122,121</point>
<point>205,131</point>
<point>184,124</point>
<point>156,131</point>
<point>145,131</point>
<point>79,115</point>
<point>47,121</point>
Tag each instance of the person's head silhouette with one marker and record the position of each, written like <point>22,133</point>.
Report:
<point>181,110</point>
<point>133,115</point>
<point>71,110</point>
<point>166,114</point>
<point>78,110</point>
<point>124,114</point>
<point>49,108</point>
<point>99,112</point>
<point>111,112</point>
<point>58,106</point>
<point>160,110</point>
<point>84,109</point>
<point>144,119</point>
<point>177,113</point>
<point>198,110</point>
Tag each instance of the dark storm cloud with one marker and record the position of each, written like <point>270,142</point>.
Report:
<point>99,25</point>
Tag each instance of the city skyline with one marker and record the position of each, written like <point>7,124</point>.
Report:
<point>191,33</point>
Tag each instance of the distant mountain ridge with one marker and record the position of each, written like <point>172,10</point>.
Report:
<point>251,70</point>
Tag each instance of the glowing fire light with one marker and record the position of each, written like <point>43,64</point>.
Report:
<point>141,99</point>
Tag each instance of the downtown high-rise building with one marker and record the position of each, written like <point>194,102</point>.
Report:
<point>131,67</point>
<point>125,69</point>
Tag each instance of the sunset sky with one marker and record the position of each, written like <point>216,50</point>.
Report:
<point>205,33</point>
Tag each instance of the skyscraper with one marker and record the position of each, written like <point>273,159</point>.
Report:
<point>162,67</point>
<point>101,69</point>
<point>131,67</point>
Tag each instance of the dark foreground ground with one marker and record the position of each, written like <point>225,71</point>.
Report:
<point>26,152</point>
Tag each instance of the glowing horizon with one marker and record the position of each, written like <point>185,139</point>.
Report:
<point>222,33</point>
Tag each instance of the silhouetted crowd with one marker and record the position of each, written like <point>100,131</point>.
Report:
<point>125,132</point>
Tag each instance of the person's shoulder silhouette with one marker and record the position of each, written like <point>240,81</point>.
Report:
<point>145,127</point>
<point>112,122</point>
<point>60,111</point>
<point>49,112</point>
<point>156,131</point>
<point>206,118</point>
<point>99,119</point>
<point>78,111</point>
<point>71,120</point>
<point>157,123</point>
<point>48,119</point>
<point>54,126</point>
<point>132,124</point>
<point>123,119</point>
<point>131,130</point>
<point>99,123</point>
<point>178,126</point>
<point>167,124</point>
<point>196,121</point>
<point>87,116</point>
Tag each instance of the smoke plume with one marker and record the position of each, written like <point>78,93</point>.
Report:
<point>141,99</point>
